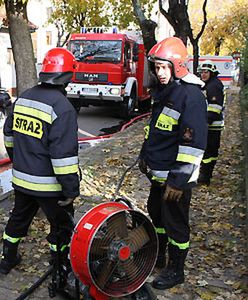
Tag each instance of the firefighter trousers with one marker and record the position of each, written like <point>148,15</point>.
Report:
<point>26,207</point>
<point>173,216</point>
<point>211,153</point>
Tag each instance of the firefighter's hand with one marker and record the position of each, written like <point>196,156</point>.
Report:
<point>172,194</point>
<point>66,202</point>
<point>142,166</point>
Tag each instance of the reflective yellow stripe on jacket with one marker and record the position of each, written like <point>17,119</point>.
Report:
<point>193,156</point>
<point>167,119</point>
<point>159,176</point>
<point>36,183</point>
<point>8,141</point>
<point>66,165</point>
<point>215,108</point>
<point>190,155</point>
<point>36,109</point>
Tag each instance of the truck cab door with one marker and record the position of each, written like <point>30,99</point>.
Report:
<point>127,59</point>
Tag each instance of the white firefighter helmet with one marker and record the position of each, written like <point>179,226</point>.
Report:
<point>208,65</point>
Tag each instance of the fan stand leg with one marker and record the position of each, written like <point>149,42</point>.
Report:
<point>77,290</point>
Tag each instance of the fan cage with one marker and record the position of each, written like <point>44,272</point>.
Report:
<point>118,276</point>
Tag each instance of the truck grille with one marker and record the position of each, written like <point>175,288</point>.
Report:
<point>91,77</point>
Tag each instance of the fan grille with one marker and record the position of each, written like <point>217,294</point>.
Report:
<point>122,253</point>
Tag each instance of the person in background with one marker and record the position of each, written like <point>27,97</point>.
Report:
<point>214,92</point>
<point>40,136</point>
<point>171,154</point>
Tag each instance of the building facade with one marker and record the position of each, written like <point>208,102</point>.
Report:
<point>44,37</point>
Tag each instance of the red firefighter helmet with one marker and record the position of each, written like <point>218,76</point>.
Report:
<point>171,49</point>
<point>57,67</point>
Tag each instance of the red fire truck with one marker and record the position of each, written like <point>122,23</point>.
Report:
<point>111,70</point>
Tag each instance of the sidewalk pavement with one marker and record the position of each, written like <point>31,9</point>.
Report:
<point>215,267</point>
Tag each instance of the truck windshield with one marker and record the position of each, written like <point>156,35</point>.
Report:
<point>92,50</point>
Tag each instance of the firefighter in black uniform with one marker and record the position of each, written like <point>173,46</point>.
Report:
<point>214,91</point>
<point>40,136</point>
<point>171,154</point>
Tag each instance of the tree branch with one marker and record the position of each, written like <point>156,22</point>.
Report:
<point>138,12</point>
<point>167,15</point>
<point>204,20</point>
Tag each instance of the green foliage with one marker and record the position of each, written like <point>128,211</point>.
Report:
<point>226,30</point>
<point>73,14</point>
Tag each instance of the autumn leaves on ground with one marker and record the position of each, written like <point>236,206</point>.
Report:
<point>215,267</point>
<point>216,263</point>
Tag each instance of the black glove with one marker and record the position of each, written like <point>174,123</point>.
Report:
<point>172,193</point>
<point>142,166</point>
<point>66,202</point>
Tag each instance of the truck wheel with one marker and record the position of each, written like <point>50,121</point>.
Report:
<point>75,104</point>
<point>77,108</point>
<point>128,106</point>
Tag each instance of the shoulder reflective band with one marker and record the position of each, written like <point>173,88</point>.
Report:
<point>36,109</point>
<point>215,108</point>
<point>190,155</point>
<point>36,183</point>
<point>8,141</point>
<point>28,125</point>
<point>181,246</point>
<point>167,119</point>
<point>66,165</point>
<point>11,239</point>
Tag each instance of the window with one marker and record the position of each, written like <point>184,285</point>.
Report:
<point>49,11</point>
<point>49,38</point>
<point>9,56</point>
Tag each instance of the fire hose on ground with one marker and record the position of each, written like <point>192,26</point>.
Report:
<point>5,161</point>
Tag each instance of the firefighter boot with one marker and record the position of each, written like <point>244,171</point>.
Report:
<point>62,264</point>
<point>162,246</point>
<point>173,274</point>
<point>10,257</point>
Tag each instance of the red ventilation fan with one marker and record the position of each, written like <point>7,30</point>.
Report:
<point>113,250</point>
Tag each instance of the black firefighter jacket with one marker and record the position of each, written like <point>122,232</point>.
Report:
<point>40,136</point>
<point>176,136</point>
<point>215,98</point>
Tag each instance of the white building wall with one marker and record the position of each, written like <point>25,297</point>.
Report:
<point>37,14</point>
<point>7,69</point>
<point>164,29</point>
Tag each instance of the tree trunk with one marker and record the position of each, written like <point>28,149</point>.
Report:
<point>196,56</point>
<point>147,26</point>
<point>177,16</point>
<point>21,43</point>
<point>217,46</point>
<point>148,32</point>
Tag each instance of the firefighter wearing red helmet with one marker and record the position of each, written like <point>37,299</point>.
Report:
<point>214,91</point>
<point>171,154</point>
<point>40,136</point>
